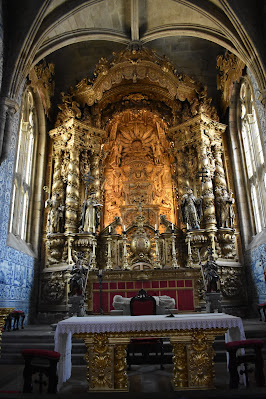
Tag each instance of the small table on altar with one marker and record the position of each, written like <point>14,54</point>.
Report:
<point>107,337</point>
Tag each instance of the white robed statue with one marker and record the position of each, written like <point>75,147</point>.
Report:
<point>91,214</point>
<point>191,210</point>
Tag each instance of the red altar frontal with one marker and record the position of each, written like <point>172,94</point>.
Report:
<point>180,284</point>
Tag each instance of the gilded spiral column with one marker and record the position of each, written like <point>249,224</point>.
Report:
<point>57,186</point>
<point>219,176</point>
<point>182,180</point>
<point>208,205</point>
<point>181,173</point>
<point>72,191</point>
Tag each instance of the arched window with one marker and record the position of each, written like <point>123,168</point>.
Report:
<point>254,159</point>
<point>22,186</point>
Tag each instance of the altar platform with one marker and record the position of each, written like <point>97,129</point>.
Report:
<point>146,381</point>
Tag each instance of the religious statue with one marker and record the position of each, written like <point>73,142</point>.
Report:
<point>191,210</point>
<point>212,285</point>
<point>230,210</point>
<point>117,150</point>
<point>55,214</point>
<point>211,276</point>
<point>92,217</point>
<point>77,279</point>
<point>224,208</point>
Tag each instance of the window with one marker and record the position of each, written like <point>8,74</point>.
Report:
<point>22,186</point>
<point>253,154</point>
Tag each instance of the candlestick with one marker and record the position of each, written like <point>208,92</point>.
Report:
<point>174,259</point>
<point>109,253</point>
<point>125,264</point>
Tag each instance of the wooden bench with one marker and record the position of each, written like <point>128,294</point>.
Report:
<point>252,354</point>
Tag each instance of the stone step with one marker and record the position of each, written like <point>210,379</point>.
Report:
<point>42,337</point>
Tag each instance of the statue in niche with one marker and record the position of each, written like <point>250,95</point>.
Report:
<point>55,214</point>
<point>224,208</point>
<point>156,153</point>
<point>116,154</point>
<point>191,210</point>
<point>77,279</point>
<point>230,210</point>
<point>92,215</point>
<point>211,276</point>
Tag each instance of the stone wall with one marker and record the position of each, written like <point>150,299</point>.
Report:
<point>16,268</point>
<point>256,254</point>
<point>1,44</point>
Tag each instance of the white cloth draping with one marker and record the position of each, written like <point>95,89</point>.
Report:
<point>99,324</point>
<point>163,302</point>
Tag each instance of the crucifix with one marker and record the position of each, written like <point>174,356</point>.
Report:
<point>202,174</point>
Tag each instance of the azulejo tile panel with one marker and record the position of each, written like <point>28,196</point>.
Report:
<point>258,266</point>
<point>16,268</point>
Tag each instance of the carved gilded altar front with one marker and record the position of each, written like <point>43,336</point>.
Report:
<point>132,152</point>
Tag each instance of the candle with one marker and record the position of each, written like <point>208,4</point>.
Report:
<point>155,227</point>
<point>172,226</point>
<point>109,229</point>
<point>124,228</point>
<point>93,229</point>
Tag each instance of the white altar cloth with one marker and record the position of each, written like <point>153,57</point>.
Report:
<point>97,324</point>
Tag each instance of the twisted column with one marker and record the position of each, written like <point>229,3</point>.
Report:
<point>181,173</point>
<point>72,192</point>
<point>57,186</point>
<point>219,176</point>
<point>209,218</point>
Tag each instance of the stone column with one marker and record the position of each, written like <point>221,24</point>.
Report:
<point>8,108</point>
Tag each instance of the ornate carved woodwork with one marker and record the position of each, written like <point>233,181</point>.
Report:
<point>230,70</point>
<point>42,81</point>
<point>193,358</point>
<point>142,131</point>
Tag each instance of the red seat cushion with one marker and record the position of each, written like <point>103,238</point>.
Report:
<point>262,304</point>
<point>244,343</point>
<point>41,353</point>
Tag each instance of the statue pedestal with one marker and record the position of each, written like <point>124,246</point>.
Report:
<point>213,302</point>
<point>77,305</point>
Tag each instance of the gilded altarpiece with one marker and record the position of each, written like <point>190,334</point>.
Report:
<point>128,149</point>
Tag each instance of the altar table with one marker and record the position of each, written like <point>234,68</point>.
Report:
<point>107,337</point>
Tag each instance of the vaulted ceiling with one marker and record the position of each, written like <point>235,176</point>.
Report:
<point>75,34</point>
